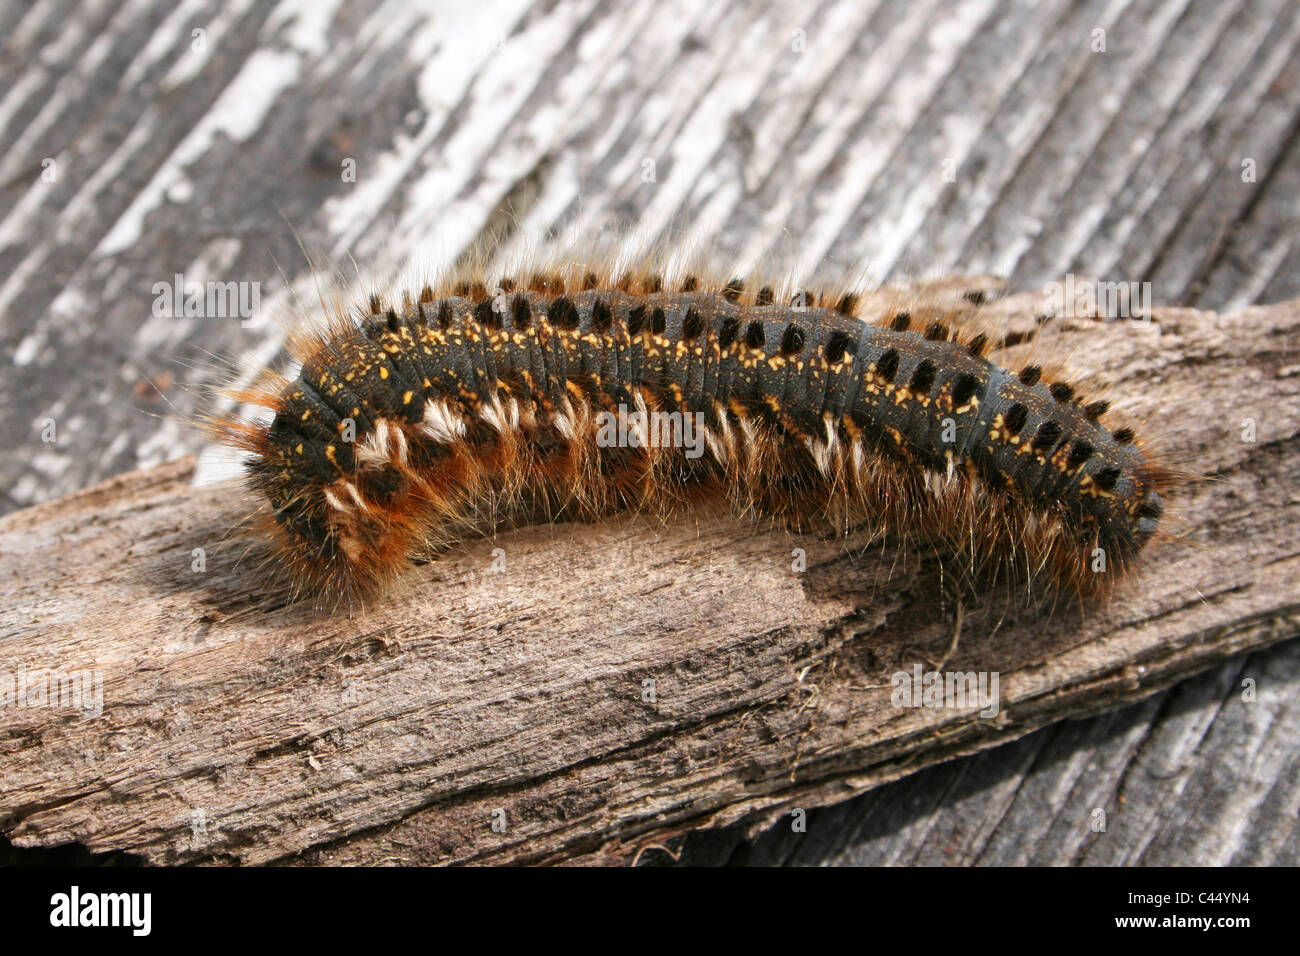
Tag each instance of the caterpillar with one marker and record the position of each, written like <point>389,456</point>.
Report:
<point>416,420</point>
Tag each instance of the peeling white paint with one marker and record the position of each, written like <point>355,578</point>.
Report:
<point>237,113</point>
<point>303,24</point>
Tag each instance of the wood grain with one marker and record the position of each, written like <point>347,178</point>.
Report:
<point>235,727</point>
<point>1124,164</point>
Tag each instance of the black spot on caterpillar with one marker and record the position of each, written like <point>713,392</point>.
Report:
<point>409,423</point>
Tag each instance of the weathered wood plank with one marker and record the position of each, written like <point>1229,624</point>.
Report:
<point>1122,165</point>
<point>234,726</point>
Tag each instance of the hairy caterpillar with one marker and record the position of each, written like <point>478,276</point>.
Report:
<point>457,405</point>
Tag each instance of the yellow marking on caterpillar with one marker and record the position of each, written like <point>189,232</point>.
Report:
<point>1090,488</point>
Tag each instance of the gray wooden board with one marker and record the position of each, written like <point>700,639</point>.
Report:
<point>812,134</point>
